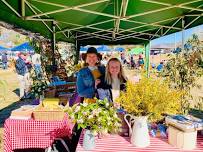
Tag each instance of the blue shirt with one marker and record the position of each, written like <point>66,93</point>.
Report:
<point>159,67</point>
<point>86,83</point>
<point>21,68</point>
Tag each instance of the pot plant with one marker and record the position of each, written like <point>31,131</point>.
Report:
<point>147,100</point>
<point>97,118</point>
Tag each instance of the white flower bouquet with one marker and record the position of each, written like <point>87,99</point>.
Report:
<point>99,117</point>
<point>38,88</point>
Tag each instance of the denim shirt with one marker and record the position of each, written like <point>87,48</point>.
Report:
<point>21,68</point>
<point>86,83</point>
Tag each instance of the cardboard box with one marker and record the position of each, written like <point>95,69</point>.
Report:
<point>181,139</point>
<point>192,124</point>
<point>24,112</point>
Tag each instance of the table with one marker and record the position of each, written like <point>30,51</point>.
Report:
<point>22,134</point>
<point>116,143</point>
<point>58,83</point>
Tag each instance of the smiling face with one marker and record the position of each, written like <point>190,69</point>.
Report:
<point>114,68</point>
<point>91,59</point>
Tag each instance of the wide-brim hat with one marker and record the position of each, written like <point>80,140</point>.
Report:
<point>91,50</point>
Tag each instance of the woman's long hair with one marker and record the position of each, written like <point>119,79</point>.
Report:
<point>121,74</point>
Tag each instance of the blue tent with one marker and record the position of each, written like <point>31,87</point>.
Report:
<point>103,48</point>
<point>3,48</point>
<point>83,48</point>
<point>119,49</point>
<point>25,47</point>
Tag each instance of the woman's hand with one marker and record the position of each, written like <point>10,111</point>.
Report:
<point>116,105</point>
<point>97,81</point>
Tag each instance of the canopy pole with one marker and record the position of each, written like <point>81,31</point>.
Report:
<point>183,33</point>
<point>77,49</point>
<point>23,8</point>
<point>53,44</point>
<point>147,58</point>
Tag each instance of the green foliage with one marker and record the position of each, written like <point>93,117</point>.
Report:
<point>38,88</point>
<point>184,69</point>
<point>3,89</point>
<point>150,97</point>
<point>199,105</point>
<point>35,44</point>
<point>72,69</point>
<point>99,117</point>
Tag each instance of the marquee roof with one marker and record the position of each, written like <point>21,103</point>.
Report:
<point>103,21</point>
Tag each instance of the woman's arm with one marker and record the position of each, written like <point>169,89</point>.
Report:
<point>82,89</point>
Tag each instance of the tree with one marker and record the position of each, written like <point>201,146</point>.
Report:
<point>184,69</point>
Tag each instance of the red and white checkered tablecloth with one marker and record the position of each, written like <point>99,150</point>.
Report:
<point>22,134</point>
<point>116,143</point>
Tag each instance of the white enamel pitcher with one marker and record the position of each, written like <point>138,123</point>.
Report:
<point>139,133</point>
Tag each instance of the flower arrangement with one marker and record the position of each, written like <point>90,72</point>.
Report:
<point>99,117</point>
<point>71,69</point>
<point>150,97</point>
<point>38,88</point>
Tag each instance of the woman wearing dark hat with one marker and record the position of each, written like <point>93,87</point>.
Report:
<point>91,75</point>
<point>87,80</point>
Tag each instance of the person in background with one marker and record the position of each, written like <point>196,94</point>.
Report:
<point>115,80</point>
<point>104,61</point>
<point>141,61</point>
<point>160,66</point>
<point>28,62</point>
<point>5,61</point>
<point>91,75</point>
<point>21,70</point>
<point>36,61</point>
<point>132,62</point>
<point>27,59</point>
<point>153,65</point>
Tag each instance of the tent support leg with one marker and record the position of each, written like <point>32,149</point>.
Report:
<point>23,8</point>
<point>147,58</point>
<point>77,49</point>
<point>53,44</point>
<point>183,33</point>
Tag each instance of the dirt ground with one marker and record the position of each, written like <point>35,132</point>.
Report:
<point>11,102</point>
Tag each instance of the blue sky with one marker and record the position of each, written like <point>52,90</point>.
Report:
<point>171,38</point>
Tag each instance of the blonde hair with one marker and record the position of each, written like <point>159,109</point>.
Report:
<point>121,74</point>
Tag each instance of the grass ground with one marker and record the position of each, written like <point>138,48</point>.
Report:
<point>10,97</point>
<point>11,102</point>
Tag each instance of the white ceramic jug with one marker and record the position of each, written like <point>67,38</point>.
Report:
<point>139,133</point>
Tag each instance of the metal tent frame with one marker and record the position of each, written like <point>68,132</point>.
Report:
<point>103,21</point>
<point>35,11</point>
